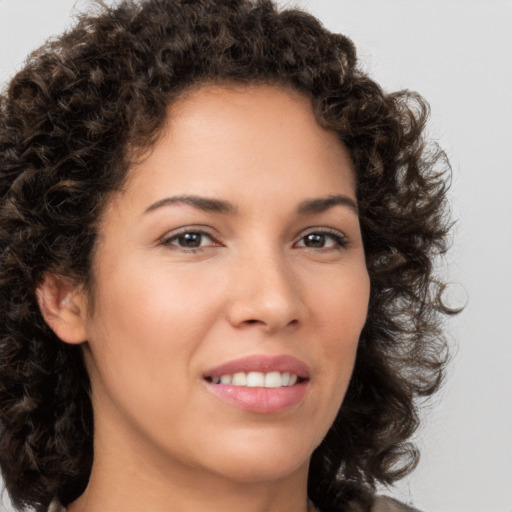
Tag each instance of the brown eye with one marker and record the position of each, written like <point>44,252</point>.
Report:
<point>189,240</point>
<point>315,240</point>
<point>323,240</point>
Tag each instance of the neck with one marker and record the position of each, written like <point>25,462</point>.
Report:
<point>212,494</point>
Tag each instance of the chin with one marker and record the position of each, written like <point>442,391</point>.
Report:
<point>254,463</point>
<point>273,470</point>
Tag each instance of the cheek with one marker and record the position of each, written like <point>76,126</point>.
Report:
<point>149,322</point>
<point>342,312</point>
<point>147,326</point>
<point>343,302</point>
<point>157,300</point>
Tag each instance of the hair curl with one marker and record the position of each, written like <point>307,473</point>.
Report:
<point>70,123</point>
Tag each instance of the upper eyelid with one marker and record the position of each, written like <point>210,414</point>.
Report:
<point>327,229</point>
<point>321,229</point>
<point>204,230</point>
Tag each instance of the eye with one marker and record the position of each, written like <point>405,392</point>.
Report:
<point>191,240</point>
<point>323,239</point>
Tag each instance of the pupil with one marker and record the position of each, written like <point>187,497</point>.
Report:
<point>190,240</point>
<point>315,240</point>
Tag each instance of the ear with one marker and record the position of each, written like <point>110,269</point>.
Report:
<point>64,307</point>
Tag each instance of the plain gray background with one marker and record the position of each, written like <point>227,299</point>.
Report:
<point>458,55</point>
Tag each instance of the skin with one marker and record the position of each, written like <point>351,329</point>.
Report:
<point>164,314</point>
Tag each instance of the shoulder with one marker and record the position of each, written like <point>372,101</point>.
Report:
<point>55,506</point>
<point>387,504</point>
<point>380,504</point>
<point>377,504</point>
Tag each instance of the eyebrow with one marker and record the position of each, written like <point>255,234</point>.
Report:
<point>208,204</point>
<point>202,203</point>
<point>324,203</point>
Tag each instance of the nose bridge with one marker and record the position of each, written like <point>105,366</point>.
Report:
<point>265,291</point>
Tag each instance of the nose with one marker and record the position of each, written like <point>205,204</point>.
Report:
<point>265,294</point>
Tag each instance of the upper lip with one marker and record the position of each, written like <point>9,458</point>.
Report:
<point>263,364</point>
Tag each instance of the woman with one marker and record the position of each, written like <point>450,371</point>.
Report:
<point>217,238</point>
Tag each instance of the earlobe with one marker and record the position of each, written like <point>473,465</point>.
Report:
<point>62,304</point>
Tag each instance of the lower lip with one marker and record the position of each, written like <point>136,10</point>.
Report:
<point>260,400</point>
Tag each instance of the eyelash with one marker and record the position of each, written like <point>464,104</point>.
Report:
<point>167,241</point>
<point>340,239</point>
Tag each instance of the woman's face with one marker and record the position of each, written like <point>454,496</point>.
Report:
<point>234,253</point>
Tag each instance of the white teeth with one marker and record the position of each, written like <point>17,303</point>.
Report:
<point>258,379</point>
<point>225,379</point>
<point>239,379</point>
<point>255,380</point>
<point>273,380</point>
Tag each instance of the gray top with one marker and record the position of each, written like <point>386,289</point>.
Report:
<point>382,504</point>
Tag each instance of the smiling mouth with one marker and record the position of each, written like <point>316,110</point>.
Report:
<point>273,379</point>
<point>260,383</point>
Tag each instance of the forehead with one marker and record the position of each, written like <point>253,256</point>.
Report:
<point>218,137</point>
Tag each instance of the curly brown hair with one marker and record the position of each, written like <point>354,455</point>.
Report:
<point>71,124</point>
